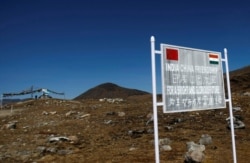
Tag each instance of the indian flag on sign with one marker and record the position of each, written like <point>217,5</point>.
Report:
<point>213,58</point>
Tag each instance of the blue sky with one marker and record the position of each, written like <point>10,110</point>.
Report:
<point>72,46</point>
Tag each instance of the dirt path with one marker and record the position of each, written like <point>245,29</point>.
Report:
<point>8,112</point>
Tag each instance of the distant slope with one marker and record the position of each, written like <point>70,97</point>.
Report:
<point>9,101</point>
<point>109,90</point>
<point>240,80</point>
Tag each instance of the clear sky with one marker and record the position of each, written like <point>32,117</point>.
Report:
<point>71,46</point>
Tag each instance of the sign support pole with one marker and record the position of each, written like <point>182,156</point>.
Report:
<point>1,101</point>
<point>156,135</point>
<point>229,100</point>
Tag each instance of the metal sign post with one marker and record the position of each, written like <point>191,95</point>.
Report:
<point>229,100</point>
<point>192,79</point>
<point>1,101</point>
<point>157,156</point>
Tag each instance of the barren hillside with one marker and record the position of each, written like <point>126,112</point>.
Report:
<point>90,130</point>
<point>240,80</point>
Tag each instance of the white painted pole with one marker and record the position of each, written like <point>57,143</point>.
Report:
<point>157,156</point>
<point>1,101</point>
<point>230,106</point>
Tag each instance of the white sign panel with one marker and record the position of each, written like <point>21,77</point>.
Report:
<point>192,79</point>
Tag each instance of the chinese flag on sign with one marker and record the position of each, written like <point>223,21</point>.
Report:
<point>172,54</point>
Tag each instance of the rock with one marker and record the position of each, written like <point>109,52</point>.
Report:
<point>70,113</point>
<point>238,124</point>
<point>237,109</point>
<point>191,146</point>
<point>121,114</point>
<point>175,121</point>
<point>107,122</point>
<point>73,139</point>
<point>130,132</point>
<point>59,138</point>
<point>194,157</point>
<point>168,127</point>
<point>164,144</point>
<point>195,153</point>
<point>151,118</point>
<point>166,148</point>
<point>53,112</point>
<point>45,113</point>
<point>165,141</point>
<point>51,150</point>
<point>205,139</point>
<point>132,149</point>
<point>10,125</point>
<point>110,113</point>
<point>178,120</point>
<point>136,133</point>
<point>246,94</point>
<point>85,115</point>
<point>41,149</point>
<point>101,100</point>
<point>149,115</point>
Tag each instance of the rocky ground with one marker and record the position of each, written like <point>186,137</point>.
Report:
<point>99,131</point>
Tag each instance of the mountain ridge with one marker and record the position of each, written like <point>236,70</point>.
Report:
<point>239,82</point>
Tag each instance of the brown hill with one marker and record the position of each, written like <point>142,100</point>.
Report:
<point>51,130</point>
<point>56,130</point>
<point>109,90</point>
<point>240,80</point>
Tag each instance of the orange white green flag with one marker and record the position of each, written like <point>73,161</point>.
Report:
<point>213,58</point>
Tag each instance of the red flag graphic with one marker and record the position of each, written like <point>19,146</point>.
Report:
<point>172,54</point>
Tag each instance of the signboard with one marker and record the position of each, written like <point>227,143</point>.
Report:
<point>192,79</point>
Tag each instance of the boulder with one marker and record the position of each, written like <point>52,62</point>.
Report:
<point>205,139</point>
<point>195,153</point>
<point>194,157</point>
<point>238,124</point>
<point>165,141</point>
<point>73,139</point>
<point>10,125</point>
<point>166,148</point>
<point>191,146</point>
<point>58,138</point>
